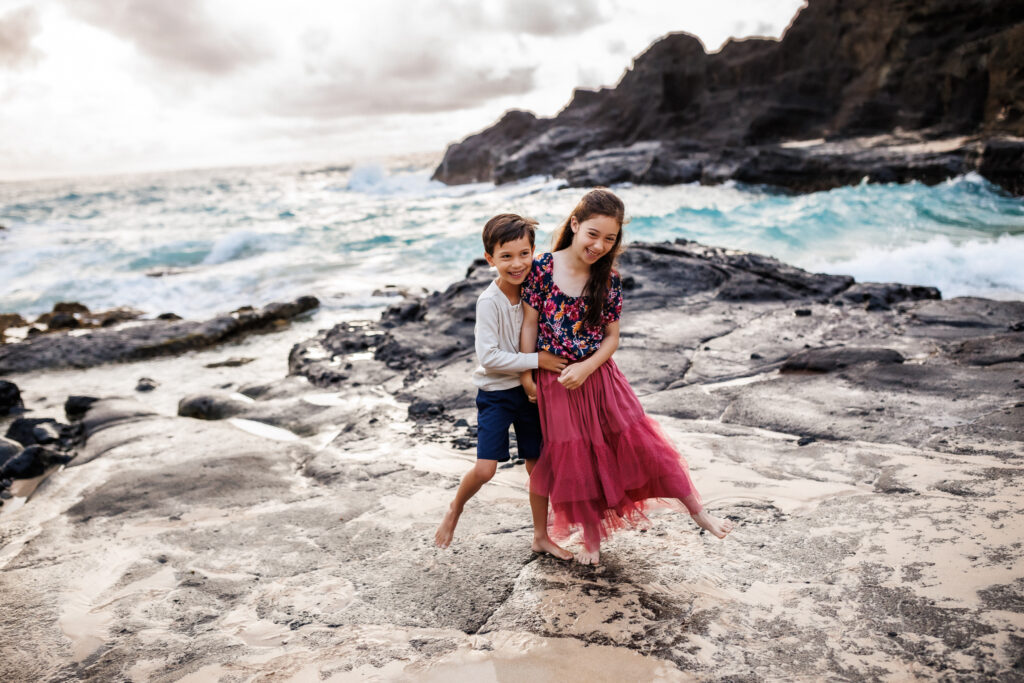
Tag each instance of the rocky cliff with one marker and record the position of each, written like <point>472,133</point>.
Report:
<point>891,91</point>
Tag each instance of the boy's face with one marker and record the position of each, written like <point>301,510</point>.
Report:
<point>513,260</point>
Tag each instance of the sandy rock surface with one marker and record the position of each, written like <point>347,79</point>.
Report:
<point>282,529</point>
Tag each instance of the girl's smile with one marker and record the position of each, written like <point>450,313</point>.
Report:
<point>594,237</point>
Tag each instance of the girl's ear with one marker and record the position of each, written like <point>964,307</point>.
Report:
<point>574,224</point>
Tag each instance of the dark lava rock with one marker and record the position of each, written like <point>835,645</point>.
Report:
<point>10,398</point>
<point>210,406</point>
<point>75,407</point>
<point>46,432</point>
<point>425,409</point>
<point>32,462</point>
<point>805,440</point>
<point>8,449</point>
<point>413,339</point>
<point>230,363</point>
<point>23,429</point>
<point>993,350</point>
<point>845,72</point>
<point>168,316</point>
<point>63,321</point>
<point>876,296</point>
<point>71,307</point>
<point>146,384</point>
<point>829,359</point>
<point>150,339</point>
<point>802,312</point>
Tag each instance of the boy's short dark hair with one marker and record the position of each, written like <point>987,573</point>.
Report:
<point>506,227</point>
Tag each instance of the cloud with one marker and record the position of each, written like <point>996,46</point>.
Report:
<point>547,18</point>
<point>403,87</point>
<point>17,30</point>
<point>179,34</point>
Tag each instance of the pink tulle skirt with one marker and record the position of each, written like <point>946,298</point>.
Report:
<point>603,457</point>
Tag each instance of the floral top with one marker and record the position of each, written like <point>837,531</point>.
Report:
<point>560,317</point>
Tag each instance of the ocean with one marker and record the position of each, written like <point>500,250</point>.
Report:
<point>201,242</point>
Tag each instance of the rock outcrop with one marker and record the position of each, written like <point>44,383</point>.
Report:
<point>891,92</point>
<point>148,339</point>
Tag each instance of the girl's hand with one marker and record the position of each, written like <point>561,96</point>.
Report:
<point>574,376</point>
<point>549,361</point>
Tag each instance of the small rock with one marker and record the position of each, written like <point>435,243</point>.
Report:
<point>461,422</point>
<point>8,449</point>
<point>70,307</point>
<point>22,429</point>
<point>76,406</point>
<point>425,409</point>
<point>463,443</point>
<point>46,432</point>
<point>168,316</point>
<point>755,356</point>
<point>802,312</point>
<point>230,363</point>
<point>63,321</point>
<point>32,462</point>
<point>10,398</point>
<point>146,384</point>
<point>804,440</point>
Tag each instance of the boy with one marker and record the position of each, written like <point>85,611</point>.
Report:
<point>500,400</point>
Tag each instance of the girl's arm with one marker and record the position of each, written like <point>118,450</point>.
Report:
<point>528,333</point>
<point>528,344</point>
<point>577,373</point>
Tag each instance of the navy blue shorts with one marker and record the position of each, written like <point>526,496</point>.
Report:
<point>496,411</point>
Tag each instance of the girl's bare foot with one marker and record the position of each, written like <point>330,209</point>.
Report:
<point>719,527</point>
<point>445,532</point>
<point>589,556</point>
<point>546,545</point>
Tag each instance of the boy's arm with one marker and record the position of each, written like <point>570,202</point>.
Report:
<point>492,357</point>
<point>574,375</point>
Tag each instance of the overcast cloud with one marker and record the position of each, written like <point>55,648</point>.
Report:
<point>17,29</point>
<point>119,85</point>
<point>176,33</point>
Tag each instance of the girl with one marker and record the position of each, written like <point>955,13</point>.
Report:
<point>602,455</point>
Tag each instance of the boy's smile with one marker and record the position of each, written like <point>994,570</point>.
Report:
<point>513,261</point>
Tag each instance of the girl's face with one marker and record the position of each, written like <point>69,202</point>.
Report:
<point>594,237</point>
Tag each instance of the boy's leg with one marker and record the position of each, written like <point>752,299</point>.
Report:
<point>494,416</point>
<point>481,473</point>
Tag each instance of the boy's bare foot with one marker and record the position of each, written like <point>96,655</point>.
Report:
<point>719,527</point>
<point>445,532</point>
<point>589,556</point>
<point>546,545</point>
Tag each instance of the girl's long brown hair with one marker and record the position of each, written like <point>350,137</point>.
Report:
<point>598,202</point>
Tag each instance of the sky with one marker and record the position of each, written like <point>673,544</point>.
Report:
<point>119,86</point>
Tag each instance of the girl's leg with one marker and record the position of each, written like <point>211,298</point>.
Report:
<point>542,543</point>
<point>591,553</point>
<point>715,525</point>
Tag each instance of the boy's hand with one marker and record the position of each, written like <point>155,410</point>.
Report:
<point>529,387</point>
<point>549,361</point>
<point>574,376</point>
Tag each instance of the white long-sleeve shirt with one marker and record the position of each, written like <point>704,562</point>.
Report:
<point>498,323</point>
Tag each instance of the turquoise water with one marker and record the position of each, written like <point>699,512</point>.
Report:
<point>219,239</point>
